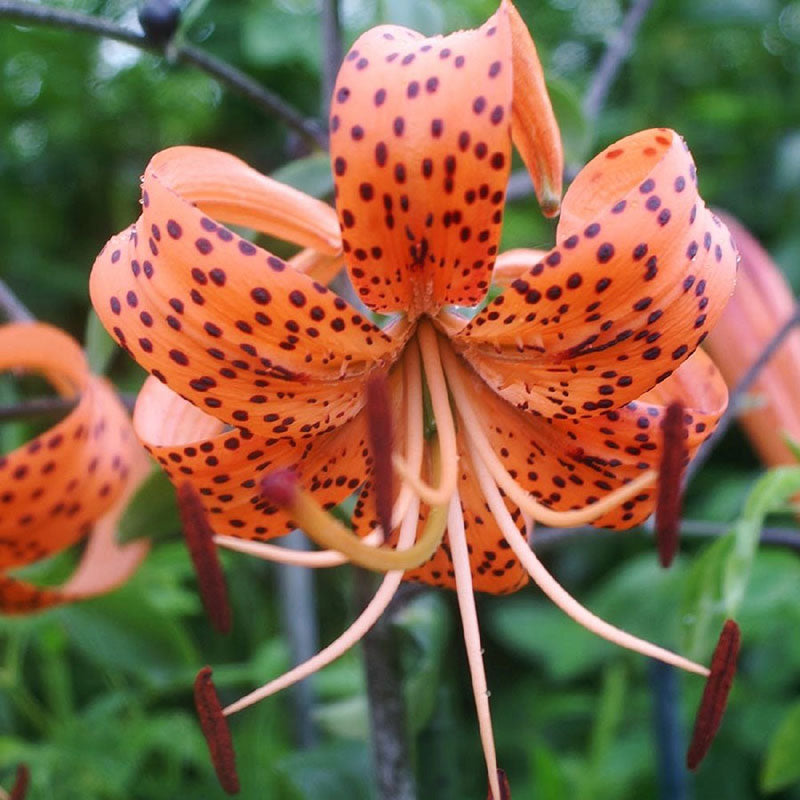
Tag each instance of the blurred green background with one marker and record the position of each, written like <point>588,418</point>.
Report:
<point>96,698</point>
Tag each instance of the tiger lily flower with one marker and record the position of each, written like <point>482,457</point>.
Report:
<point>69,483</point>
<point>540,404</point>
<point>762,303</point>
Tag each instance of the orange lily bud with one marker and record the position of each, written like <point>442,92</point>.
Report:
<point>761,304</point>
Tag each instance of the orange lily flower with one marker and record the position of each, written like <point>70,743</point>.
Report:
<point>71,482</point>
<point>762,303</point>
<point>545,402</point>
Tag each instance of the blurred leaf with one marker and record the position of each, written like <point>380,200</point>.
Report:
<point>718,579</point>
<point>576,134</point>
<point>606,723</point>
<point>548,779</point>
<point>100,347</point>
<point>770,493</point>
<point>273,38</point>
<point>330,770</point>
<point>152,512</point>
<point>311,175</point>
<point>782,766</point>
<point>544,634</point>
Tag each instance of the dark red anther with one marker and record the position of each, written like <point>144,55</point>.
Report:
<point>20,788</point>
<point>505,788</point>
<point>215,729</point>
<point>280,487</point>
<point>200,541</point>
<point>379,422</point>
<point>715,694</point>
<point>669,503</point>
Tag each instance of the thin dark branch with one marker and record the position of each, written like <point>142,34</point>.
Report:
<point>668,729</point>
<point>617,53</point>
<point>11,306</point>
<point>297,604</point>
<point>741,389</point>
<point>29,14</point>
<point>778,536</point>
<point>50,407</point>
<point>394,774</point>
<point>331,49</point>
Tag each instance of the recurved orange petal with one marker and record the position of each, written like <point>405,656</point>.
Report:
<point>534,128</point>
<point>57,486</point>
<point>570,464</point>
<point>223,322</point>
<point>641,272</point>
<point>420,147</point>
<point>225,466</point>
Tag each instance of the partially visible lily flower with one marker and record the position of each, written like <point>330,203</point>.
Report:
<point>545,403</point>
<point>71,482</point>
<point>762,303</point>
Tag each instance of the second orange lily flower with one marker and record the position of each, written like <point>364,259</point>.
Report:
<point>546,402</point>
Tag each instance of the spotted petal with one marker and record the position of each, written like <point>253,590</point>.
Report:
<point>223,322</point>
<point>225,467</point>
<point>641,271</point>
<point>421,135</point>
<point>569,464</point>
<point>54,488</point>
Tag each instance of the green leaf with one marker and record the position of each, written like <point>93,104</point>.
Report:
<point>152,512</point>
<point>100,347</point>
<point>719,578</point>
<point>311,175</point>
<point>782,766</point>
<point>606,723</point>
<point>549,781</point>
<point>575,132</point>
<point>544,634</point>
<point>769,493</point>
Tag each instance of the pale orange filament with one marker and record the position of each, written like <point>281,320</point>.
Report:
<point>369,616</point>
<point>548,584</point>
<point>445,426</point>
<point>474,431</point>
<point>318,559</point>
<point>472,636</point>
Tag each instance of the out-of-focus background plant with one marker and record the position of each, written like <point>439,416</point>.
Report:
<point>96,697</point>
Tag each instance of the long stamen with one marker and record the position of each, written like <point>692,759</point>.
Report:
<point>19,790</point>
<point>318,559</point>
<point>527,504</point>
<point>200,541</point>
<point>472,637</point>
<point>281,488</point>
<point>445,426</point>
<point>715,694</point>
<point>351,636</point>
<point>669,501</point>
<point>545,581</point>
<point>216,731</point>
<point>379,425</point>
